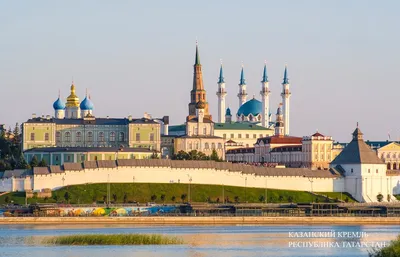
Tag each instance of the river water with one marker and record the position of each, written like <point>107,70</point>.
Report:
<point>202,241</point>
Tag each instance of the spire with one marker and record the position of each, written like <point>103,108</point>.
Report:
<point>242,79</point>
<point>285,77</point>
<point>221,75</point>
<point>197,61</point>
<point>59,94</point>
<point>265,77</point>
<point>86,92</point>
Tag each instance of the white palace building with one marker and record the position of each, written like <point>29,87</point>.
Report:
<point>356,170</point>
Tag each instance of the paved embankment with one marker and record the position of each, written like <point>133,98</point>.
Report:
<point>201,220</point>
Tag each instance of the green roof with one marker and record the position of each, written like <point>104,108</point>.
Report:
<point>177,128</point>
<point>238,126</point>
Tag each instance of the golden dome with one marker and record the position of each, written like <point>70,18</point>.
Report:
<point>72,99</point>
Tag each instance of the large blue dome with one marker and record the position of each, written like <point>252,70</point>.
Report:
<point>253,106</point>
<point>86,104</point>
<point>58,105</point>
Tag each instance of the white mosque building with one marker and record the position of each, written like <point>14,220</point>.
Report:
<point>254,111</point>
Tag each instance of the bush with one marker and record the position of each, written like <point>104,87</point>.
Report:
<point>379,197</point>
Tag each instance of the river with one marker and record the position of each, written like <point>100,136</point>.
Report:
<point>202,241</point>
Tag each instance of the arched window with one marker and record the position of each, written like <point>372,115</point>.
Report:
<point>204,131</point>
<point>395,166</point>
<point>32,136</point>
<point>196,145</point>
<point>394,156</point>
<point>121,137</point>
<point>213,146</point>
<point>206,146</point>
<point>219,146</point>
<point>58,136</point>
<point>101,136</point>
<point>46,137</point>
<point>112,136</point>
<point>190,146</point>
<point>388,155</point>
<point>78,136</point>
<point>90,136</point>
<point>67,137</point>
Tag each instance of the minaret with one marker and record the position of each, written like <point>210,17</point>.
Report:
<point>286,101</point>
<point>197,93</point>
<point>221,93</point>
<point>265,98</point>
<point>228,116</point>
<point>279,125</point>
<point>242,89</point>
<point>72,107</point>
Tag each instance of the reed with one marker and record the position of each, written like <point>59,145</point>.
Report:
<point>114,239</point>
<point>392,250</point>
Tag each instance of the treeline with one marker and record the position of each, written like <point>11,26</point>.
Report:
<point>11,156</point>
<point>196,155</point>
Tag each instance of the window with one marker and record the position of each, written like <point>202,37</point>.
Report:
<point>137,136</point>
<point>377,171</point>
<point>351,170</point>
<point>67,137</point>
<point>204,131</point>
<point>58,136</point>
<point>112,136</point>
<point>121,137</point>
<point>101,136</point>
<point>196,131</point>
<point>90,136</point>
<point>247,145</point>
<point>151,136</point>
<point>68,158</point>
<point>78,136</point>
<point>190,146</point>
<point>206,146</point>
<point>213,145</point>
<point>247,136</point>
<point>261,135</point>
<point>219,146</point>
<point>239,135</point>
<point>32,136</point>
<point>56,158</point>
<point>224,135</point>
<point>196,145</point>
<point>46,137</point>
<point>254,136</point>
<point>232,135</point>
<point>369,170</point>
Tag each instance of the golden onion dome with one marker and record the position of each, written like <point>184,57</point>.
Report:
<point>72,99</point>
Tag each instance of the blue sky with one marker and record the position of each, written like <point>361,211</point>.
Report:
<point>137,56</point>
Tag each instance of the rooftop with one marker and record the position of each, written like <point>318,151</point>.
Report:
<point>87,149</point>
<point>97,121</point>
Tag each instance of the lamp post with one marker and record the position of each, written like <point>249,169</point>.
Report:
<point>108,190</point>
<point>190,182</point>
<point>63,179</point>
<point>311,181</point>
<point>266,188</point>
<point>245,189</point>
<point>223,194</point>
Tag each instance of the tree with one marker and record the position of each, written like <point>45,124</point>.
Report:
<point>154,155</point>
<point>261,198</point>
<point>280,198</point>
<point>173,198</point>
<point>388,197</point>
<point>67,197</point>
<point>17,135</point>
<point>3,165</point>
<point>125,198</point>
<point>153,198</point>
<point>94,199</point>
<point>42,163</point>
<point>290,199</point>
<point>7,199</point>
<point>208,199</point>
<point>34,162</point>
<point>55,197</point>
<point>104,198</point>
<point>217,200</point>
<point>46,199</point>
<point>22,164</point>
<point>237,199</point>
<point>163,198</point>
<point>181,155</point>
<point>379,197</point>
<point>214,156</point>
<point>183,197</point>
<point>114,197</point>
<point>346,200</point>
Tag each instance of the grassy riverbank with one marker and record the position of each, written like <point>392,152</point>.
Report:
<point>171,193</point>
<point>113,239</point>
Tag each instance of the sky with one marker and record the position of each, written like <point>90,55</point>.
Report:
<point>137,56</point>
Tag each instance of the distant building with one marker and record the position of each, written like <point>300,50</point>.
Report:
<point>61,155</point>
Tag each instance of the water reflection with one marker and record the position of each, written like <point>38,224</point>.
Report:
<point>249,241</point>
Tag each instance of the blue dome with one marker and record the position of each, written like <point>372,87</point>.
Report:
<point>86,104</point>
<point>58,105</point>
<point>228,112</point>
<point>253,107</point>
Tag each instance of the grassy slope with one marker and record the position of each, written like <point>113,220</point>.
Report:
<point>142,193</point>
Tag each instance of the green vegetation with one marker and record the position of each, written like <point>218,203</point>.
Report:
<point>10,149</point>
<point>397,197</point>
<point>114,239</point>
<point>171,193</point>
<point>392,250</point>
<point>196,155</point>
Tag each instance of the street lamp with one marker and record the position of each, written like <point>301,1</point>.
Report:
<point>63,179</point>
<point>190,182</point>
<point>108,190</point>
<point>311,181</point>
<point>245,189</point>
<point>223,193</point>
<point>266,188</point>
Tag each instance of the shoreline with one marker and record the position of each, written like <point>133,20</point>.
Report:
<point>194,221</point>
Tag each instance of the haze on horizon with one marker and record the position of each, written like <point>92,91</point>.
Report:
<point>138,56</point>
